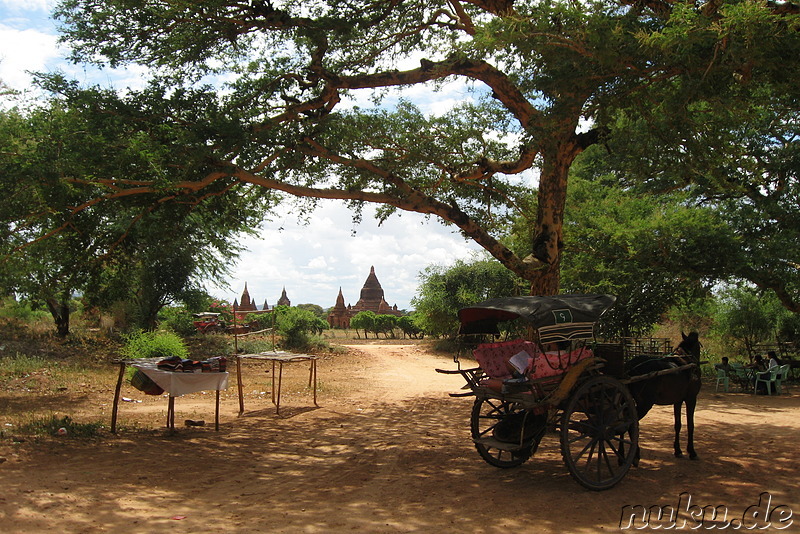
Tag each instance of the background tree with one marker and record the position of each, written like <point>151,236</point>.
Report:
<point>49,252</point>
<point>789,329</point>
<point>748,317</point>
<point>748,179</point>
<point>295,326</point>
<point>364,320</point>
<point>59,240</point>
<point>445,290</point>
<point>551,79</point>
<point>316,309</point>
<point>385,324</point>
<point>408,325</point>
<point>652,252</point>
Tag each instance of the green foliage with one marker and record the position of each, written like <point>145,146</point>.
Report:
<point>747,317</point>
<point>196,300</point>
<point>693,97</point>
<point>364,320</point>
<point>296,326</point>
<point>141,251</point>
<point>408,325</point>
<point>252,345</point>
<point>260,321</point>
<point>316,343</point>
<point>652,253</point>
<point>694,314</point>
<point>445,290</point>
<point>385,324</point>
<point>316,309</point>
<point>789,328</point>
<point>320,326</point>
<point>20,310</point>
<point>154,345</point>
<point>223,308</point>
<point>369,321</point>
<point>538,69</point>
<point>177,319</point>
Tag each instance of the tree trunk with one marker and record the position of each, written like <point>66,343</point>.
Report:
<point>552,197</point>
<point>60,313</point>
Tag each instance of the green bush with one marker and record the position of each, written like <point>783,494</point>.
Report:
<point>179,320</point>
<point>259,321</point>
<point>251,345</point>
<point>21,311</point>
<point>154,345</point>
<point>296,326</point>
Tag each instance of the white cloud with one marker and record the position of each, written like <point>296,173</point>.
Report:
<point>25,50</point>
<point>313,261</point>
<point>317,263</point>
<point>28,5</point>
<point>29,43</point>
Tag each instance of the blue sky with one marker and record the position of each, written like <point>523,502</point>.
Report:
<point>312,261</point>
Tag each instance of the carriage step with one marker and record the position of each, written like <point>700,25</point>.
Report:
<point>492,443</point>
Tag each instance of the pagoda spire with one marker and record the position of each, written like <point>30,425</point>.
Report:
<point>339,299</point>
<point>284,300</point>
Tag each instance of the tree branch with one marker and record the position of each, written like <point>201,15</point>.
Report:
<point>503,88</point>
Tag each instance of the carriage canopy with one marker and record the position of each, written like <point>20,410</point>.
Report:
<point>538,312</point>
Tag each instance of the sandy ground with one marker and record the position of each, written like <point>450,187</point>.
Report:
<point>387,450</point>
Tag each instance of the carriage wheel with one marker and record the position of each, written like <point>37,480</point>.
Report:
<point>599,433</point>
<point>487,413</point>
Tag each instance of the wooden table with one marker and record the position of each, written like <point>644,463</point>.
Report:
<point>277,358</point>
<point>173,382</point>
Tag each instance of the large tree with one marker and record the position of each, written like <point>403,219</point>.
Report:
<point>742,166</point>
<point>445,290</point>
<point>652,252</point>
<point>309,107</point>
<point>47,250</point>
<point>59,240</point>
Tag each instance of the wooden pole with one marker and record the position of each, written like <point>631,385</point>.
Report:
<point>116,398</point>
<point>235,336</point>
<point>273,382</point>
<point>314,367</point>
<point>171,413</point>
<point>280,379</point>
<point>239,383</point>
<point>273,329</point>
<point>216,414</point>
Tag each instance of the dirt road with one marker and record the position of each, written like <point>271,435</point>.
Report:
<point>386,451</point>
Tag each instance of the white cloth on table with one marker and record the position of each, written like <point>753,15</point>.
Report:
<point>178,383</point>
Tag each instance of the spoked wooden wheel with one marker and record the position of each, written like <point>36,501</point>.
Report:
<point>487,414</point>
<point>599,433</point>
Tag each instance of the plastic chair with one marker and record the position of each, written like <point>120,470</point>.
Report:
<point>766,378</point>
<point>722,376</point>
<point>781,374</point>
<point>740,376</point>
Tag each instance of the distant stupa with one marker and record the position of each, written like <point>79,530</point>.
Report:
<point>245,303</point>
<point>372,299</point>
<point>284,300</point>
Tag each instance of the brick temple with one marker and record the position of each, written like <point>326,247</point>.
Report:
<point>246,303</point>
<point>372,299</point>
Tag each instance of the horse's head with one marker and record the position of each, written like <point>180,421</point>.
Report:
<point>690,345</point>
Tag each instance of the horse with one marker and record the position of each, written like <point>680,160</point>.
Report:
<point>676,388</point>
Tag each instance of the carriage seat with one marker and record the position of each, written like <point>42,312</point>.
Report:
<point>494,358</point>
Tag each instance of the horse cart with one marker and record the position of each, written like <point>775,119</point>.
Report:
<point>555,378</point>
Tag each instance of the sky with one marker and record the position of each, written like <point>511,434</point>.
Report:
<point>311,261</point>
